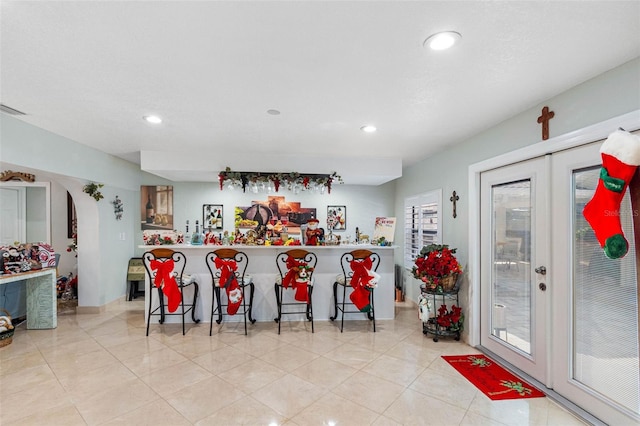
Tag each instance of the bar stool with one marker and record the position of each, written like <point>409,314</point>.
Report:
<point>228,269</point>
<point>165,269</point>
<point>358,274</point>
<point>295,268</point>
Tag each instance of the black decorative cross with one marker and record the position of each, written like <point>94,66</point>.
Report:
<point>453,199</point>
<point>544,120</point>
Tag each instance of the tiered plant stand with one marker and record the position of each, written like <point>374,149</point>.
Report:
<point>432,326</point>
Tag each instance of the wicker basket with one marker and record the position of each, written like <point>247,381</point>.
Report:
<point>6,337</point>
<point>449,282</point>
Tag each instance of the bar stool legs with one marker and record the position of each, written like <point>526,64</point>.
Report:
<point>358,274</point>
<point>165,268</point>
<point>295,269</point>
<point>228,271</point>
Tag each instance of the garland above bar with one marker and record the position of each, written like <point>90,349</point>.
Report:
<point>272,182</point>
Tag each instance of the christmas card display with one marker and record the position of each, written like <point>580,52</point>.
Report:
<point>385,228</point>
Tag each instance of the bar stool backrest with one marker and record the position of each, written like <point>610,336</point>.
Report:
<point>227,254</point>
<point>164,255</point>
<point>358,255</point>
<point>300,256</point>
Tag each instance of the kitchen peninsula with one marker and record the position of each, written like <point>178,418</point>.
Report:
<point>262,267</point>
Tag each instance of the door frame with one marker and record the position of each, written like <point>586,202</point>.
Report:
<point>586,135</point>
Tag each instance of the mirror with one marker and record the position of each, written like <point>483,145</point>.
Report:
<point>25,212</point>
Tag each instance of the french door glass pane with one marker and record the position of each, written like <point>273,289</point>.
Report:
<point>605,314</point>
<point>511,241</point>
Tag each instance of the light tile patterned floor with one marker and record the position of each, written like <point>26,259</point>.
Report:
<point>101,369</point>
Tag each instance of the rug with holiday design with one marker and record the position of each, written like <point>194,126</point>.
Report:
<point>489,377</point>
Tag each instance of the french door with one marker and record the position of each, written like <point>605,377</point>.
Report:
<point>552,304</point>
<point>595,309</point>
<point>514,256</point>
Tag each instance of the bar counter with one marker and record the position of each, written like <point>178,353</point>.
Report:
<point>262,267</point>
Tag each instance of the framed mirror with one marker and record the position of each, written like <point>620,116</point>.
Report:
<point>25,208</point>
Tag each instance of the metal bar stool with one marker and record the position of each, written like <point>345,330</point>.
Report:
<point>358,274</point>
<point>295,268</point>
<point>228,269</point>
<point>165,269</point>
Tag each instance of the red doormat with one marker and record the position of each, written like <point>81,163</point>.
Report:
<point>493,380</point>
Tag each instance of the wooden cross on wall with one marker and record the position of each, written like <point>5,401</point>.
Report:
<point>454,198</point>
<point>544,120</point>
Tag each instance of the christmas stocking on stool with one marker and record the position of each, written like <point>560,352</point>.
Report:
<point>229,282</point>
<point>620,158</point>
<point>234,295</point>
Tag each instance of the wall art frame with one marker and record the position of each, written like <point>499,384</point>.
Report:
<point>213,217</point>
<point>337,218</point>
<point>156,207</point>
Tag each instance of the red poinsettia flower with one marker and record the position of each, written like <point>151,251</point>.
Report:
<point>434,263</point>
<point>452,320</point>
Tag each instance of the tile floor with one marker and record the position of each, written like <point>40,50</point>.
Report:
<point>101,369</point>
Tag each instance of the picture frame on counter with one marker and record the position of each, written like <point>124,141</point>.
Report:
<point>337,218</point>
<point>213,216</point>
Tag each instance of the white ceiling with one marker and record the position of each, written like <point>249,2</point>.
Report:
<point>89,70</point>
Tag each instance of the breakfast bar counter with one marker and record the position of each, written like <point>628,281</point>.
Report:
<point>262,267</point>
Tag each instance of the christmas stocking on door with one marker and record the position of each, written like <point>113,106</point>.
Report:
<point>620,159</point>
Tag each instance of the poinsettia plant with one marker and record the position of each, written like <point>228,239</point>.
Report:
<point>435,262</point>
<point>450,319</point>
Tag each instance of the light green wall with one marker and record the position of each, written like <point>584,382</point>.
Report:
<point>363,203</point>
<point>609,95</point>
<point>72,165</point>
<point>101,256</point>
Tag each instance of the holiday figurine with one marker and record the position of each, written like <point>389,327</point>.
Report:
<point>313,233</point>
<point>620,158</point>
<point>301,284</point>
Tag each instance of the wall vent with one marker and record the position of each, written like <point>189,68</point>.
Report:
<point>11,111</point>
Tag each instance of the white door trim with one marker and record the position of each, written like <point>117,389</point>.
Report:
<point>629,121</point>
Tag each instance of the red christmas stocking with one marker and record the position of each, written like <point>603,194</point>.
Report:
<point>229,282</point>
<point>360,298</point>
<point>234,296</point>
<point>302,293</point>
<point>620,159</point>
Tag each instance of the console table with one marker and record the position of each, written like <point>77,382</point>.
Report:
<point>41,296</point>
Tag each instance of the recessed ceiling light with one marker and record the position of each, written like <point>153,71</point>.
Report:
<point>442,40</point>
<point>153,119</point>
<point>273,112</point>
<point>368,129</point>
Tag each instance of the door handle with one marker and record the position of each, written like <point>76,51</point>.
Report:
<point>541,270</point>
